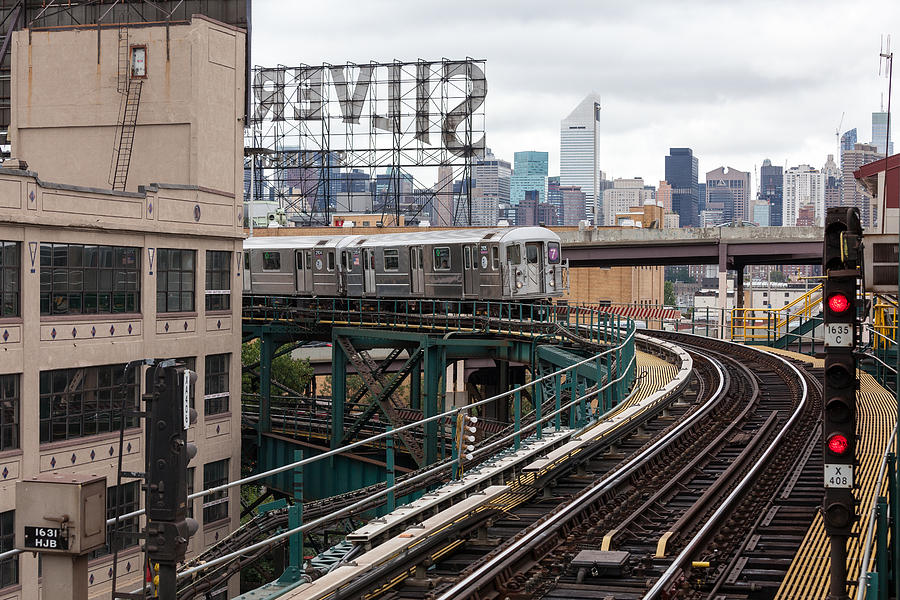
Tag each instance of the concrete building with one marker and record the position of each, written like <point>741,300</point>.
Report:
<point>853,194</point>
<point>771,189</point>
<point>803,185</point>
<point>579,152</point>
<point>442,204</point>
<point>529,174</point>
<point>573,205</point>
<point>97,278</point>
<point>624,194</point>
<point>728,191</point>
<point>682,173</point>
<point>664,195</point>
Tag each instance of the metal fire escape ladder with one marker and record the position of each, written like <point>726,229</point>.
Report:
<point>382,396</point>
<point>128,113</point>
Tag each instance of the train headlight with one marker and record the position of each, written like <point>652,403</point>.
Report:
<point>519,284</point>
<point>552,283</point>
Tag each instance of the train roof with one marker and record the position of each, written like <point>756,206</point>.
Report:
<point>426,236</point>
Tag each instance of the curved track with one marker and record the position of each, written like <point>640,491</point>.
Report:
<point>670,495</point>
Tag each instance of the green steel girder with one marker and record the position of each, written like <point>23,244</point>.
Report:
<point>562,358</point>
<point>388,389</point>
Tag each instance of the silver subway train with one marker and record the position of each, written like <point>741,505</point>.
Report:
<point>513,263</point>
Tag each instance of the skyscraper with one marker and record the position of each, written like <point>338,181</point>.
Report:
<point>851,193</point>
<point>804,193</point>
<point>491,189</point>
<point>682,172</point>
<point>573,200</point>
<point>771,186</point>
<point>728,190</point>
<point>848,140</point>
<point>579,154</point>
<point>554,198</point>
<point>529,174</point>
<point>880,131</point>
<point>832,175</point>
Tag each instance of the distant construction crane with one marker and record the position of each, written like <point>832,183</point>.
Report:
<point>837,136</point>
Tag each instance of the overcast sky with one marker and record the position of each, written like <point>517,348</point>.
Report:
<point>736,81</point>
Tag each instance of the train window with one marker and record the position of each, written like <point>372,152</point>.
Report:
<point>344,261</point>
<point>391,259</point>
<point>467,257</point>
<point>531,253</point>
<point>514,254</point>
<point>330,257</point>
<point>553,252</point>
<point>299,261</point>
<point>246,261</point>
<point>271,261</point>
<point>495,257</point>
<point>442,259</point>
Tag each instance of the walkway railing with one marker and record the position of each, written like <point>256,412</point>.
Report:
<point>789,324</point>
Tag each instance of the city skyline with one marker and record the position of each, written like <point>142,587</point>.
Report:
<point>694,85</point>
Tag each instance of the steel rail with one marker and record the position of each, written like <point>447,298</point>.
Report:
<point>470,584</point>
<point>692,545</point>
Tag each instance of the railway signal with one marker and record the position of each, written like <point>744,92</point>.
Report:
<point>168,455</point>
<point>841,303</point>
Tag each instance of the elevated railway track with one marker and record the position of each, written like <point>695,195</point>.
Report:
<point>671,502</point>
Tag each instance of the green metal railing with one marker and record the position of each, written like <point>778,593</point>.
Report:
<point>609,337</point>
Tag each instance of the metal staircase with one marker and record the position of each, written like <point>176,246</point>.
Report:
<point>383,392</point>
<point>130,89</point>
<point>786,327</point>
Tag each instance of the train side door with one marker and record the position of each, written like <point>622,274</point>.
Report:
<point>246,273</point>
<point>369,271</point>
<point>470,270</point>
<point>416,271</point>
<point>534,268</point>
<point>308,272</point>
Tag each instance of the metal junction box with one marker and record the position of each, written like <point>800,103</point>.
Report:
<point>61,513</point>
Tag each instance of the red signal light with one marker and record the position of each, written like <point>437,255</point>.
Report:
<point>838,303</point>
<point>838,444</point>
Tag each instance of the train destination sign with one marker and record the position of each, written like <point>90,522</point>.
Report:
<point>46,538</point>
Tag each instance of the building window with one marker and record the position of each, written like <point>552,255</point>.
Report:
<point>9,279</point>
<point>218,280</point>
<point>124,536</point>
<point>215,505</point>
<point>215,400</point>
<point>9,567</point>
<point>78,279</point>
<point>9,412</point>
<point>80,402</point>
<point>174,280</point>
<point>391,259</point>
<point>442,259</point>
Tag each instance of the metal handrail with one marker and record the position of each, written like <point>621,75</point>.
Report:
<point>870,528</point>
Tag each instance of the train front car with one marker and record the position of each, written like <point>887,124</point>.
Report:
<point>532,267</point>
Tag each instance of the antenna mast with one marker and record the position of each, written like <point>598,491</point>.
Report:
<point>886,67</point>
